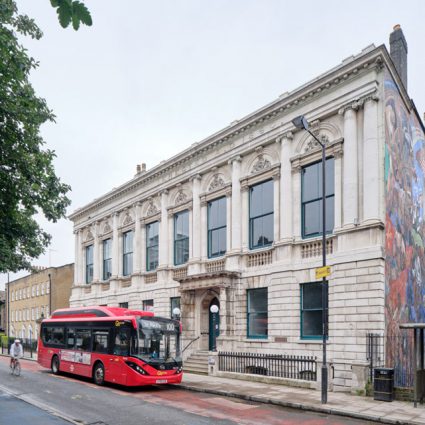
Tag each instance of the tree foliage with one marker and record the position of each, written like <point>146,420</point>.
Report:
<point>72,11</point>
<point>28,183</point>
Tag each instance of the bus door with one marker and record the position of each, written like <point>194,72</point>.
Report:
<point>116,370</point>
<point>82,354</point>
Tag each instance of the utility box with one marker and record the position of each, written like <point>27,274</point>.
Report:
<point>383,384</point>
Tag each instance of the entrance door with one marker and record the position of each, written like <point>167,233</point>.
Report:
<point>214,322</point>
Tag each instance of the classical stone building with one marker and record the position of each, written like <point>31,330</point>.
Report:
<point>35,296</point>
<point>235,221</point>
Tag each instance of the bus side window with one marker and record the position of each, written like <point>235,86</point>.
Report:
<point>53,336</point>
<point>100,340</point>
<point>83,339</point>
<point>122,341</point>
<point>70,338</point>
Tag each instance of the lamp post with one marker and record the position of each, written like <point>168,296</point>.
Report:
<point>301,123</point>
<point>214,311</point>
<point>176,313</point>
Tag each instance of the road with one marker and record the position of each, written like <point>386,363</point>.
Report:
<point>85,403</point>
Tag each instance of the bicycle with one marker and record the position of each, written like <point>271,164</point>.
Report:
<point>15,368</point>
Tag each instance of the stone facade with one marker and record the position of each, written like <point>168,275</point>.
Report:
<point>345,110</point>
<point>35,296</point>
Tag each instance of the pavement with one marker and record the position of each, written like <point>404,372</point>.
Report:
<point>344,404</point>
<point>339,403</point>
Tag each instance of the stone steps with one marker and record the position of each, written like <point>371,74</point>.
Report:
<point>197,363</point>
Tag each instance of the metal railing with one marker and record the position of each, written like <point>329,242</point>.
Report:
<point>28,345</point>
<point>190,343</point>
<point>276,365</point>
<point>393,351</point>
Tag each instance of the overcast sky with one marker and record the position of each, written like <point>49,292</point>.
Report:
<point>150,78</point>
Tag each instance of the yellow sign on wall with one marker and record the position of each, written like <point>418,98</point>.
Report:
<point>322,272</point>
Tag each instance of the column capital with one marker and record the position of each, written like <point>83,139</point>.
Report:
<point>351,106</point>
<point>195,177</point>
<point>236,158</point>
<point>164,192</point>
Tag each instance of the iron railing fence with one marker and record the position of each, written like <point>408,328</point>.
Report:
<point>276,365</point>
<point>29,346</point>
<point>393,351</point>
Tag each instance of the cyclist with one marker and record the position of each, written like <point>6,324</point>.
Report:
<point>16,352</point>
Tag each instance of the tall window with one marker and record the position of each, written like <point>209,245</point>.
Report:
<point>261,215</point>
<point>311,194</point>
<point>174,302</point>
<point>107,259</point>
<point>127,259</point>
<point>257,313</point>
<point>217,227</point>
<point>311,310</point>
<point>181,237</point>
<point>147,305</point>
<point>152,246</point>
<point>89,264</point>
<point>123,305</point>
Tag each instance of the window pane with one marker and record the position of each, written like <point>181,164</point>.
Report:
<point>312,218</point>
<point>330,177</point>
<point>181,251</point>
<point>174,303</point>
<point>255,207</point>
<point>152,258</point>
<point>261,231</point>
<point>128,242</point>
<point>312,296</point>
<point>147,304</point>
<point>310,182</point>
<point>82,339</point>
<point>257,300</point>
<point>100,341</point>
<point>152,234</point>
<point>181,225</point>
<point>127,264</point>
<point>217,213</point>
<point>258,324</point>
<point>267,199</point>
<point>107,249</point>
<point>312,323</point>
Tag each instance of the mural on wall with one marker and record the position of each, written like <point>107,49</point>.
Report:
<point>405,222</point>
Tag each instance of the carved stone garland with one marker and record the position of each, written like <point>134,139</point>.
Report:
<point>152,209</point>
<point>127,220</point>
<point>217,183</point>
<point>181,198</point>
<point>261,164</point>
<point>313,144</point>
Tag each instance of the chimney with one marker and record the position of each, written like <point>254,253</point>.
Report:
<point>143,167</point>
<point>138,169</point>
<point>398,53</point>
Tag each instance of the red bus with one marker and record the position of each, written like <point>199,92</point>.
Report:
<point>112,344</point>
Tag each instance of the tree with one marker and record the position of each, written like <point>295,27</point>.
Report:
<point>72,11</point>
<point>28,183</point>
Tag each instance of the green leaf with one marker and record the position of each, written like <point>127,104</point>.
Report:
<point>81,12</point>
<point>75,22</point>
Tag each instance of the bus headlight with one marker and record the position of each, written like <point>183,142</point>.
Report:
<point>137,368</point>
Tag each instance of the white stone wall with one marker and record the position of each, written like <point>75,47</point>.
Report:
<point>344,109</point>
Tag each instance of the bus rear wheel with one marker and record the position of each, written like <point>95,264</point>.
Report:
<point>99,374</point>
<point>55,365</point>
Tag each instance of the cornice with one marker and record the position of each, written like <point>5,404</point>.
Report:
<point>370,59</point>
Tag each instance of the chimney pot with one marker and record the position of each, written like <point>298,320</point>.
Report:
<point>143,166</point>
<point>138,168</point>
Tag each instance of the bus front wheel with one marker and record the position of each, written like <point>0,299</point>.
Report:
<point>99,374</point>
<point>55,365</point>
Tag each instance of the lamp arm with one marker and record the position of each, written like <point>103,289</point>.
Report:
<point>316,138</point>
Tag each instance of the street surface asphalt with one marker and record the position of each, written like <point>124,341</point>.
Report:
<point>37,398</point>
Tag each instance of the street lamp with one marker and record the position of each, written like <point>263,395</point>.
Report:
<point>214,311</point>
<point>176,313</point>
<point>301,123</point>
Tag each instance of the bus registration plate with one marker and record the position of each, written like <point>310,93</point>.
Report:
<point>161,381</point>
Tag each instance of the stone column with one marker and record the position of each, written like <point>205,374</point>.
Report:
<point>203,229</point>
<point>163,232</point>
<point>286,206</point>
<point>276,206</point>
<point>296,198</point>
<point>228,219</point>
<point>350,179</point>
<point>191,233</point>
<point>77,256</point>
<point>137,241</point>
<point>245,217</point>
<point>371,192</point>
<point>170,218</point>
<point>115,246</point>
<point>195,242</point>
<point>96,251</point>
<point>223,311</point>
<point>236,204</point>
<point>142,246</point>
<point>82,263</point>
<point>338,189</point>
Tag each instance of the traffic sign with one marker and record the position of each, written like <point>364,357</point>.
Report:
<point>322,272</point>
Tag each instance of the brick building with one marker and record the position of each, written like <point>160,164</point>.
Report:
<point>35,296</point>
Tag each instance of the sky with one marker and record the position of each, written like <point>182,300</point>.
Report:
<point>150,78</point>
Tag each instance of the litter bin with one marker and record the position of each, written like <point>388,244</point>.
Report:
<point>383,384</point>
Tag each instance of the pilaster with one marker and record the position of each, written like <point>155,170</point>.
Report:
<point>236,204</point>
<point>137,242</point>
<point>96,252</point>
<point>286,205</point>
<point>115,247</point>
<point>163,233</point>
